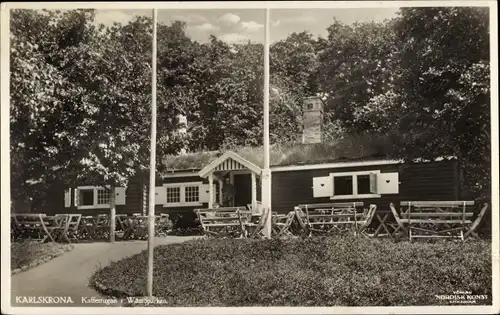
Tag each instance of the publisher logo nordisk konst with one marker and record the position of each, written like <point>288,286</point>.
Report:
<point>462,297</point>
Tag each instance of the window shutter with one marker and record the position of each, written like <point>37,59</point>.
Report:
<point>373,183</point>
<point>388,183</point>
<point>76,198</point>
<point>322,186</point>
<point>160,195</point>
<point>67,198</point>
<point>204,193</point>
<point>121,195</point>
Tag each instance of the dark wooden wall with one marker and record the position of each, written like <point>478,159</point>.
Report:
<point>422,181</point>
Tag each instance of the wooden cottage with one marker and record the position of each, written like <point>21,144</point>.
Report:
<point>355,168</point>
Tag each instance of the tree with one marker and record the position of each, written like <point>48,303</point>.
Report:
<point>89,110</point>
<point>355,66</point>
<point>440,87</point>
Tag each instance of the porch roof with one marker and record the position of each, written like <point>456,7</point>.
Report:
<point>229,161</point>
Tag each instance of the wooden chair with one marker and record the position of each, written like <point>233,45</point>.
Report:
<point>326,218</point>
<point>367,219</point>
<point>471,230</point>
<point>221,222</point>
<point>68,227</point>
<point>436,219</point>
<point>281,224</point>
<point>400,225</point>
<point>253,229</point>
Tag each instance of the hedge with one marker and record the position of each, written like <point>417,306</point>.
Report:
<point>335,271</point>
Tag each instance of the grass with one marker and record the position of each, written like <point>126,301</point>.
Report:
<point>26,253</point>
<point>336,271</point>
<point>351,147</point>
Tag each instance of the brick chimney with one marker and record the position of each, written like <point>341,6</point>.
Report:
<point>182,128</point>
<point>312,120</point>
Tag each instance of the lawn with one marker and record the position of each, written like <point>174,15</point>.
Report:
<point>335,271</point>
<point>27,254</point>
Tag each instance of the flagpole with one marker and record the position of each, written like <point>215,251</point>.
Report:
<point>266,172</point>
<point>152,167</point>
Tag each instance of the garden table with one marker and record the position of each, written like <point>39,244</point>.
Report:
<point>218,222</point>
<point>435,219</point>
<point>34,224</point>
<point>384,224</point>
<point>326,218</point>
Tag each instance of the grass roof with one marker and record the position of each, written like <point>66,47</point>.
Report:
<point>352,147</point>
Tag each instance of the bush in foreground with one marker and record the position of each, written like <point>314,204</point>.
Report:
<point>30,253</point>
<point>340,271</point>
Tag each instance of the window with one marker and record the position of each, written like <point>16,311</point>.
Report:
<point>355,185</point>
<point>173,194</point>
<point>192,193</point>
<point>183,194</point>
<point>363,184</point>
<point>103,196</point>
<point>89,197</point>
<point>86,197</point>
<point>342,186</point>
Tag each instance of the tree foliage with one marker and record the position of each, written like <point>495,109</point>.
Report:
<point>81,92</point>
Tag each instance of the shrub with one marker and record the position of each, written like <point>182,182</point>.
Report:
<point>342,271</point>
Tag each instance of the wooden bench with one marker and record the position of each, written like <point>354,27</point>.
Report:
<point>224,221</point>
<point>330,217</point>
<point>437,219</point>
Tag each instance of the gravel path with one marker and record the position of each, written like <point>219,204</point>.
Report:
<point>68,275</point>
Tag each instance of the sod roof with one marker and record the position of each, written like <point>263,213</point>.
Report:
<point>349,148</point>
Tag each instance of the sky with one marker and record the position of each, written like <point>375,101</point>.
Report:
<point>241,25</point>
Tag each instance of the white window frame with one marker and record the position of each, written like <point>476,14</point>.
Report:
<point>182,187</point>
<point>95,205</point>
<point>355,194</point>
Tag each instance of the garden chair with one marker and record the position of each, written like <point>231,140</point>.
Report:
<point>367,219</point>
<point>162,223</point>
<point>70,229</point>
<point>102,226</point>
<point>281,224</point>
<point>253,229</point>
<point>400,226</point>
<point>300,215</point>
<point>471,230</point>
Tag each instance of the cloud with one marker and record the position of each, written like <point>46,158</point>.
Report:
<point>234,38</point>
<point>229,18</point>
<point>193,18</point>
<point>251,26</point>
<point>206,27</point>
<point>108,17</point>
<point>275,23</point>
